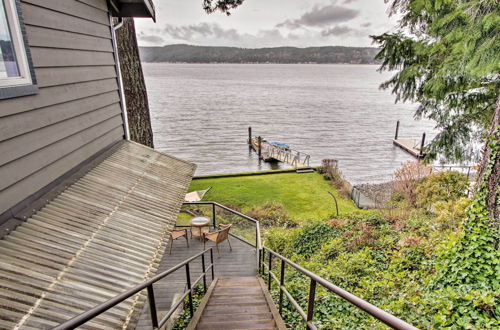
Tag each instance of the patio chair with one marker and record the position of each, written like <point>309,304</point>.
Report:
<point>218,236</point>
<point>178,233</point>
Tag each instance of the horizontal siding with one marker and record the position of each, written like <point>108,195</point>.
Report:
<point>44,176</point>
<point>38,16</point>
<point>76,112</point>
<point>16,171</point>
<point>57,95</point>
<point>45,37</point>
<point>68,75</point>
<point>96,4</point>
<point>73,8</point>
<point>52,57</point>
<point>37,139</point>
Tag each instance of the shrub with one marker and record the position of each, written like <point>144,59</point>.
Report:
<point>310,238</point>
<point>407,177</point>
<point>271,214</point>
<point>451,214</point>
<point>442,186</point>
<point>281,240</point>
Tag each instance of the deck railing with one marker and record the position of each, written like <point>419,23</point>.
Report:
<point>148,285</point>
<point>245,228</point>
<point>376,312</point>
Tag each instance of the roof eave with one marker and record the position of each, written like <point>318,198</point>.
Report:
<point>133,8</point>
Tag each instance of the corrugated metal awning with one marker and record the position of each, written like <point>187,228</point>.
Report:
<point>100,236</point>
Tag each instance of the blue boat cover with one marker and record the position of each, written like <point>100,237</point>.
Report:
<point>279,144</point>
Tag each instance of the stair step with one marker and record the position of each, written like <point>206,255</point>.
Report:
<point>238,300</point>
<point>238,317</point>
<point>230,324</point>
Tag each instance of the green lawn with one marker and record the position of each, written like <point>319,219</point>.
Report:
<point>304,196</point>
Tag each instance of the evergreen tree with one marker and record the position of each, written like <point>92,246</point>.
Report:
<point>445,53</point>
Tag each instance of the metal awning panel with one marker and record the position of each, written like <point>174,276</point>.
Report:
<point>100,236</point>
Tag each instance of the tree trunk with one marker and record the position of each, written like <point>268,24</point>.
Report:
<point>490,169</point>
<point>136,97</point>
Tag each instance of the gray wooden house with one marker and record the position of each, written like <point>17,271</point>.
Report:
<point>84,213</point>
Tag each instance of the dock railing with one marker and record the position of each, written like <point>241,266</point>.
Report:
<point>307,316</point>
<point>287,155</point>
<point>244,228</point>
<point>148,285</point>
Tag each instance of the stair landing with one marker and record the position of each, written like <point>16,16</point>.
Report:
<point>237,303</point>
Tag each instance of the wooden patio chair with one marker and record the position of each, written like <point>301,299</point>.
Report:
<point>178,233</point>
<point>218,236</point>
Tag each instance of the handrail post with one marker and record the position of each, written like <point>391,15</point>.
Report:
<point>212,262</point>
<point>262,260</point>
<point>282,284</point>
<point>152,306</point>
<point>214,220</point>
<point>204,271</point>
<point>188,277</point>
<point>269,271</point>
<point>310,304</point>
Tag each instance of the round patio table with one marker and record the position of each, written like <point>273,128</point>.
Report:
<point>199,225</point>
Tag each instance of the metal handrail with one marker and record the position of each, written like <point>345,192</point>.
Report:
<point>376,312</point>
<point>258,241</point>
<point>99,309</point>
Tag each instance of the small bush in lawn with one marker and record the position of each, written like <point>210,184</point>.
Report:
<point>271,214</point>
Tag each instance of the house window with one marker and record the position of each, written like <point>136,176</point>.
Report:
<point>15,75</point>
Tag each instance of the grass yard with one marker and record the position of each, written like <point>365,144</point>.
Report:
<point>304,196</point>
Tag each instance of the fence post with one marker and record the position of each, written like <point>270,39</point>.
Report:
<point>270,265</point>
<point>282,283</point>
<point>212,262</point>
<point>204,270</point>
<point>152,306</point>
<point>310,304</point>
<point>214,219</point>
<point>188,277</point>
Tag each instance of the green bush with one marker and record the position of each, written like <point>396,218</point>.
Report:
<point>310,238</point>
<point>271,214</point>
<point>441,186</point>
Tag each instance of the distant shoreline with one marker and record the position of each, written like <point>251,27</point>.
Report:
<point>145,62</point>
<point>276,55</point>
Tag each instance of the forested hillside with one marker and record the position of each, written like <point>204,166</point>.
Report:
<point>205,54</point>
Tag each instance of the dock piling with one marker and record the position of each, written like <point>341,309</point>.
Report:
<point>422,144</point>
<point>249,136</point>
<point>260,147</point>
<point>397,131</point>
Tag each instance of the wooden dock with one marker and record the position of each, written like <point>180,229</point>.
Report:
<point>269,152</point>
<point>409,146</point>
<point>416,149</point>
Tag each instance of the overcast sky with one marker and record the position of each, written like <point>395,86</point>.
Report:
<point>267,23</point>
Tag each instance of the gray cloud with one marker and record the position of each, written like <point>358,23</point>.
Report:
<point>367,24</point>
<point>337,31</point>
<point>193,31</point>
<point>150,38</point>
<point>322,16</point>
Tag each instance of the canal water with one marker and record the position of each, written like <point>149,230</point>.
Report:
<point>201,113</point>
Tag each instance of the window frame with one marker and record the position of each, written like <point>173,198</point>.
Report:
<point>26,83</point>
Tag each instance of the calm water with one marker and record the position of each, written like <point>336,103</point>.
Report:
<point>201,112</point>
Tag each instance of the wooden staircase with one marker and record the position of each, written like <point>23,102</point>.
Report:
<point>237,303</point>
